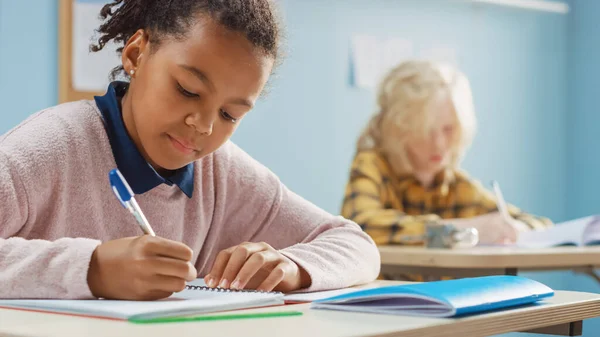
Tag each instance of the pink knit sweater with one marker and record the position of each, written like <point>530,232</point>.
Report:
<point>56,206</point>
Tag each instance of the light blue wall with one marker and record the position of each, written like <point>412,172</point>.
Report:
<point>583,139</point>
<point>584,117</point>
<point>306,129</point>
<point>28,58</point>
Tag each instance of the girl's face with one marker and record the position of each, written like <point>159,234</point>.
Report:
<point>187,96</point>
<point>431,152</point>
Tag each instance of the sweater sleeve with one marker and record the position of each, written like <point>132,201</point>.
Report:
<point>36,268</point>
<point>334,251</point>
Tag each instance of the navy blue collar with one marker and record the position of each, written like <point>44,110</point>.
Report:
<point>139,174</point>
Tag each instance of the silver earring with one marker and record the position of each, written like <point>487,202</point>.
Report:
<point>132,72</point>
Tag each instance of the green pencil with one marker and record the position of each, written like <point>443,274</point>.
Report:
<point>216,317</point>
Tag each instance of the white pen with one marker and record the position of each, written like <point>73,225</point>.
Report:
<point>125,195</point>
<point>501,203</point>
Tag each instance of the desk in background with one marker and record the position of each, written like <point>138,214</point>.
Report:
<point>481,261</point>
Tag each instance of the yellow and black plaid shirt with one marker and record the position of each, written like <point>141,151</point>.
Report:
<point>391,209</point>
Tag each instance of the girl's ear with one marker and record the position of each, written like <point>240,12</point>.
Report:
<point>134,49</point>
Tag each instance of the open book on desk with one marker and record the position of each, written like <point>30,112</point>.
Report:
<point>578,232</point>
<point>195,299</point>
<point>448,298</point>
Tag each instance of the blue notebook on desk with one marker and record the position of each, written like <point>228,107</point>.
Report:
<point>449,298</point>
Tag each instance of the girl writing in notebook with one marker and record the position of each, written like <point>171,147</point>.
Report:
<point>193,69</point>
<point>406,171</point>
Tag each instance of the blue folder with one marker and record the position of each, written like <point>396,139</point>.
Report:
<point>450,298</point>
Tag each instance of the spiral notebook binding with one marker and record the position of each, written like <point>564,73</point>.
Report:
<point>223,290</point>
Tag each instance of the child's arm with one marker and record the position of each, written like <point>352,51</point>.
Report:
<point>36,268</point>
<point>364,203</point>
<point>334,251</point>
<point>135,268</point>
<point>253,205</point>
<point>489,204</point>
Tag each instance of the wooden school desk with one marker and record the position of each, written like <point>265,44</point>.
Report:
<point>481,261</point>
<point>560,315</point>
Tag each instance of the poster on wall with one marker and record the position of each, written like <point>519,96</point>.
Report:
<point>373,56</point>
<point>91,71</point>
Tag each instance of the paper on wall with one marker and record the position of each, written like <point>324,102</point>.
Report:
<point>91,71</point>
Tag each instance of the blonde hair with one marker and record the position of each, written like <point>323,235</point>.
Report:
<point>403,98</point>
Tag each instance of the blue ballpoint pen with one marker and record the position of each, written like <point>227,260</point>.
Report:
<point>125,195</point>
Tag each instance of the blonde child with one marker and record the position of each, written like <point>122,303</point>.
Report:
<point>406,171</point>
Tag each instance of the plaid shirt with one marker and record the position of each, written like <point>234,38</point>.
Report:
<point>391,209</point>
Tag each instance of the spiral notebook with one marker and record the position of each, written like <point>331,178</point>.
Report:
<point>195,299</point>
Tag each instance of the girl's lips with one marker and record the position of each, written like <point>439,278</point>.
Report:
<point>181,145</point>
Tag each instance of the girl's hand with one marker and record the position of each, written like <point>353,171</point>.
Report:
<point>493,228</point>
<point>256,266</point>
<point>140,268</point>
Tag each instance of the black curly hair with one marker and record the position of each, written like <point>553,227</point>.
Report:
<point>255,19</point>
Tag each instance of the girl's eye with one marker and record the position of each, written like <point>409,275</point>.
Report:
<point>185,92</point>
<point>227,116</point>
